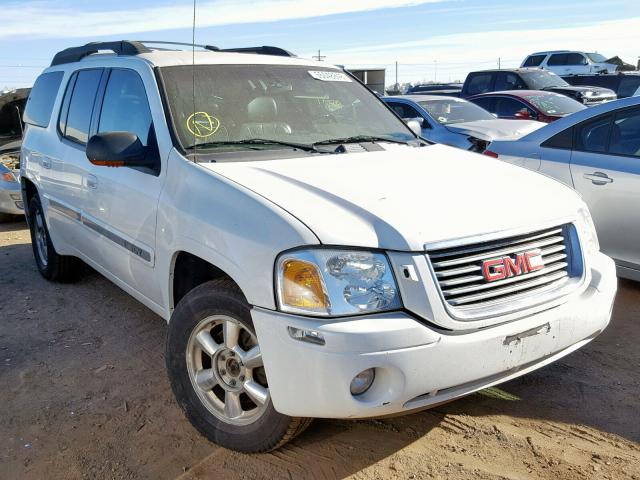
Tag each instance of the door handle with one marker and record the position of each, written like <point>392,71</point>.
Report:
<point>598,178</point>
<point>46,162</point>
<point>91,181</point>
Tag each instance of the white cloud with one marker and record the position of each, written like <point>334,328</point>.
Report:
<point>36,20</point>
<point>457,54</point>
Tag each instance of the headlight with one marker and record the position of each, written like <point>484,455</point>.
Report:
<point>335,282</point>
<point>587,231</point>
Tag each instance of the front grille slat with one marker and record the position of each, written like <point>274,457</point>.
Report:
<point>461,277</point>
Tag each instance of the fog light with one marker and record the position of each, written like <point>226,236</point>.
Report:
<point>363,381</point>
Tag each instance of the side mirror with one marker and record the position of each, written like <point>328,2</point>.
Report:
<point>117,149</point>
<point>415,125</point>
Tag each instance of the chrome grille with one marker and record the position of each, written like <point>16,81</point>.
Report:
<point>460,276</point>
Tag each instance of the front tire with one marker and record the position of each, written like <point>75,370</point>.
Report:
<point>216,372</point>
<point>51,265</point>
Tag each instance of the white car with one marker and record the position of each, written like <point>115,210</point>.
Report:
<point>458,122</point>
<point>567,62</point>
<point>597,152</point>
<point>312,256</point>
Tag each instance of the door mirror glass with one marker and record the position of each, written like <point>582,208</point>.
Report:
<point>117,149</point>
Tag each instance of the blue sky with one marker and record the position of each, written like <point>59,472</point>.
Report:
<point>435,39</point>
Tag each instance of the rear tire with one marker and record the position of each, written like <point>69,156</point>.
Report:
<point>216,371</point>
<point>51,265</point>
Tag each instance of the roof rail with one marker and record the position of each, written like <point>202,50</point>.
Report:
<point>75,54</point>
<point>213,48</point>
<point>263,50</point>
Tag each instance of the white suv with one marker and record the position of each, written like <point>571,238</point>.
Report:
<point>313,257</point>
<point>566,62</point>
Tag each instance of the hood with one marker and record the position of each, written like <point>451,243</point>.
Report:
<point>404,197</point>
<point>498,129</point>
<point>581,89</point>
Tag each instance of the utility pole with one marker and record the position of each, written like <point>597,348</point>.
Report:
<point>319,57</point>
<point>499,64</point>
<point>397,86</point>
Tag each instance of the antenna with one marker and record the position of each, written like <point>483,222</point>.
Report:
<point>319,57</point>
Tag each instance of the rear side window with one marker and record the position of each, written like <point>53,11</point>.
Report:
<point>41,99</point>
<point>533,60</point>
<point>479,84</point>
<point>558,59</point>
<point>563,140</point>
<point>576,59</point>
<point>125,107</point>
<point>625,133</point>
<point>78,117</point>
<point>593,136</point>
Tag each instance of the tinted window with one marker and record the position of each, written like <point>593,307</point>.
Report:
<point>488,103</point>
<point>593,136</point>
<point>404,111</point>
<point>533,60</point>
<point>40,103</point>
<point>541,79</point>
<point>557,59</point>
<point>81,105</point>
<point>625,133</point>
<point>562,140</point>
<point>479,84</point>
<point>628,86</point>
<point>508,81</point>
<point>576,59</point>
<point>125,107</point>
<point>508,107</point>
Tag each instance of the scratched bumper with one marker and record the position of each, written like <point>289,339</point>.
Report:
<point>417,366</point>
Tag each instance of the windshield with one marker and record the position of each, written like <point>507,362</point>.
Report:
<point>552,104</point>
<point>454,110</point>
<point>303,105</point>
<point>597,57</point>
<point>542,79</point>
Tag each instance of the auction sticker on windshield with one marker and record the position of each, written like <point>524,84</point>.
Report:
<point>329,76</point>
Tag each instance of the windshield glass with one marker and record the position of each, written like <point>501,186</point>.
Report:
<point>454,110</point>
<point>290,104</point>
<point>552,104</point>
<point>597,57</point>
<point>542,79</point>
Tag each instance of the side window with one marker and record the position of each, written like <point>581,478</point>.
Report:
<point>78,118</point>
<point>41,99</point>
<point>576,59</point>
<point>509,107</point>
<point>125,107</point>
<point>533,60</point>
<point>593,135</point>
<point>480,83</point>
<point>628,86</point>
<point>508,81</point>
<point>557,59</point>
<point>563,140</point>
<point>625,133</point>
<point>404,110</point>
<point>488,103</point>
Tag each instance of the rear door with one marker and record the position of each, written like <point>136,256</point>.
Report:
<point>605,166</point>
<point>126,204</point>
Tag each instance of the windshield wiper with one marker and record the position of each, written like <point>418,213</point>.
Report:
<point>358,139</point>
<point>257,141</point>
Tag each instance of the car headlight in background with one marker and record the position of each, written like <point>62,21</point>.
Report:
<point>327,282</point>
<point>8,177</point>
<point>587,231</point>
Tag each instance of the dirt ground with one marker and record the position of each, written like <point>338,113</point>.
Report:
<point>84,394</point>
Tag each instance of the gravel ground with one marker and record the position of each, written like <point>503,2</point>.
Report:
<point>85,395</point>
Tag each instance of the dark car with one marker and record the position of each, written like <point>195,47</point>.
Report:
<point>441,89</point>
<point>527,105</point>
<point>624,84</point>
<point>532,79</point>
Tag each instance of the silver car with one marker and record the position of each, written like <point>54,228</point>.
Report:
<point>457,122</point>
<point>10,192</point>
<point>596,152</point>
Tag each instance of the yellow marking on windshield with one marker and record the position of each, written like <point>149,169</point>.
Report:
<point>202,125</point>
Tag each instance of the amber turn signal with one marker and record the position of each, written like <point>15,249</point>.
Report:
<point>302,286</point>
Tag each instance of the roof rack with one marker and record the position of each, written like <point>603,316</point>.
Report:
<point>129,47</point>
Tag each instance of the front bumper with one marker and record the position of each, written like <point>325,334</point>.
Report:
<point>417,366</point>
<point>11,198</point>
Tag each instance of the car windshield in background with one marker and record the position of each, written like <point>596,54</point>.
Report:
<point>597,57</point>
<point>235,105</point>
<point>539,80</point>
<point>448,111</point>
<point>551,104</point>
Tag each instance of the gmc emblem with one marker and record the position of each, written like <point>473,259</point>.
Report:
<point>505,267</point>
